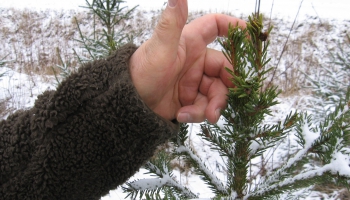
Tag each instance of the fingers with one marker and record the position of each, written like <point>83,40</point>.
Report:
<point>166,36</point>
<point>161,50</point>
<point>211,26</point>
<point>210,100</point>
<point>194,113</point>
<point>214,63</point>
<point>216,92</point>
<point>198,34</point>
<point>189,83</point>
<point>215,66</point>
<point>154,65</point>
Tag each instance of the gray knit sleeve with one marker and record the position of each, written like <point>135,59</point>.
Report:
<point>82,140</point>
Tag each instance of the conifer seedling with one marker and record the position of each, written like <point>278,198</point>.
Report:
<point>321,151</point>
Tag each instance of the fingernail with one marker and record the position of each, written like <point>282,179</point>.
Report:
<point>172,3</point>
<point>184,117</point>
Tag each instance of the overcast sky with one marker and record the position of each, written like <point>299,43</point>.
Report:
<point>338,9</point>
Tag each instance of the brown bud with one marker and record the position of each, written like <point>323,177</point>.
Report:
<point>263,36</point>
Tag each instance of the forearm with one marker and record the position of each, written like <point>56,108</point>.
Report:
<point>91,135</point>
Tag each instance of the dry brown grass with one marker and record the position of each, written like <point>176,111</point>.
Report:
<point>330,188</point>
<point>304,53</point>
<point>4,108</point>
<point>32,37</point>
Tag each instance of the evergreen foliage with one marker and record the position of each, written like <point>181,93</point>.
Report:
<point>320,152</point>
<point>108,14</point>
<point>163,184</point>
<point>65,68</point>
<point>331,82</point>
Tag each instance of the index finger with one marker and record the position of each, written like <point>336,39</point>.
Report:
<point>203,31</point>
<point>210,26</point>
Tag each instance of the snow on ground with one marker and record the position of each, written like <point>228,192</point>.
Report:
<point>22,89</point>
<point>337,9</point>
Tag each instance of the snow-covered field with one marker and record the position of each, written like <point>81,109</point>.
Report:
<point>19,87</point>
<point>337,9</point>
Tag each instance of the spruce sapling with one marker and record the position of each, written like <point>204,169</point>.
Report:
<point>320,151</point>
<point>108,15</point>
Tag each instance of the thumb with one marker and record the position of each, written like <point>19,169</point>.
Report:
<point>168,31</point>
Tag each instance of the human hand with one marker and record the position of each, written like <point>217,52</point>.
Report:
<point>176,74</point>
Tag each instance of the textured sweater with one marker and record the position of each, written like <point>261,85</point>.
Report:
<point>83,139</point>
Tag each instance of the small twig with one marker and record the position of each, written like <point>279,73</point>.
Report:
<point>273,2</point>
<point>316,13</point>
<point>284,45</point>
<point>257,8</point>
